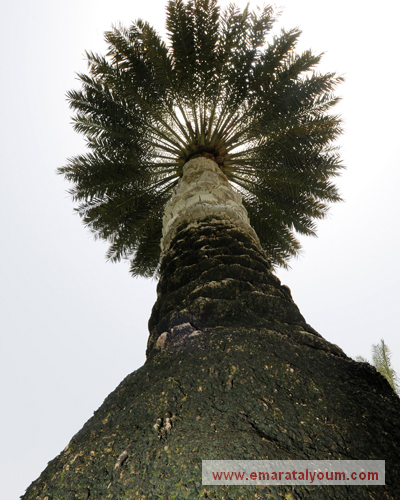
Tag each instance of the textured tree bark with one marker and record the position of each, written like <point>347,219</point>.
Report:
<point>233,372</point>
<point>213,269</point>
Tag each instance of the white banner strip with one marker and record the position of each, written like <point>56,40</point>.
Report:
<point>292,472</point>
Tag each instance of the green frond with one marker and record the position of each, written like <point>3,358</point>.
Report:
<point>381,360</point>
<point>216,87</point>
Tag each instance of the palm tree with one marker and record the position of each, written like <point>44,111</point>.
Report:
<point>220,147</point>
<point>258,111</point>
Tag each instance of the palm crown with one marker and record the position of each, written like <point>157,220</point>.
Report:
<point>215,89</point>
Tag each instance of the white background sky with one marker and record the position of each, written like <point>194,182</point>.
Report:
<point>73,326</point>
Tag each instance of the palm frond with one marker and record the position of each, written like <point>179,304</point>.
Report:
<point>215,87</point>
<point>381,360</point>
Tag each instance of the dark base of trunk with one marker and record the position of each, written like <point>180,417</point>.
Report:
<point>231,393</point>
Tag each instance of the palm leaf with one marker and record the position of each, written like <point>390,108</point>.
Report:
<point>381,360</point>
<point>218,88</point>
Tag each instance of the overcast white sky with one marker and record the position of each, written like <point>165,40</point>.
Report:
<point>73,326</point>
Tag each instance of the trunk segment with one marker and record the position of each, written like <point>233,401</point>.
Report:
<point>203,191</point>
<point>213,270</point>
<point>230,393</point>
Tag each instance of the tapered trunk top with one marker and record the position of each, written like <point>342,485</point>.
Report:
<point>203,191</point>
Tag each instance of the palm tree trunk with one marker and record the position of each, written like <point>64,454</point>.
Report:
<point>233,372</point>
